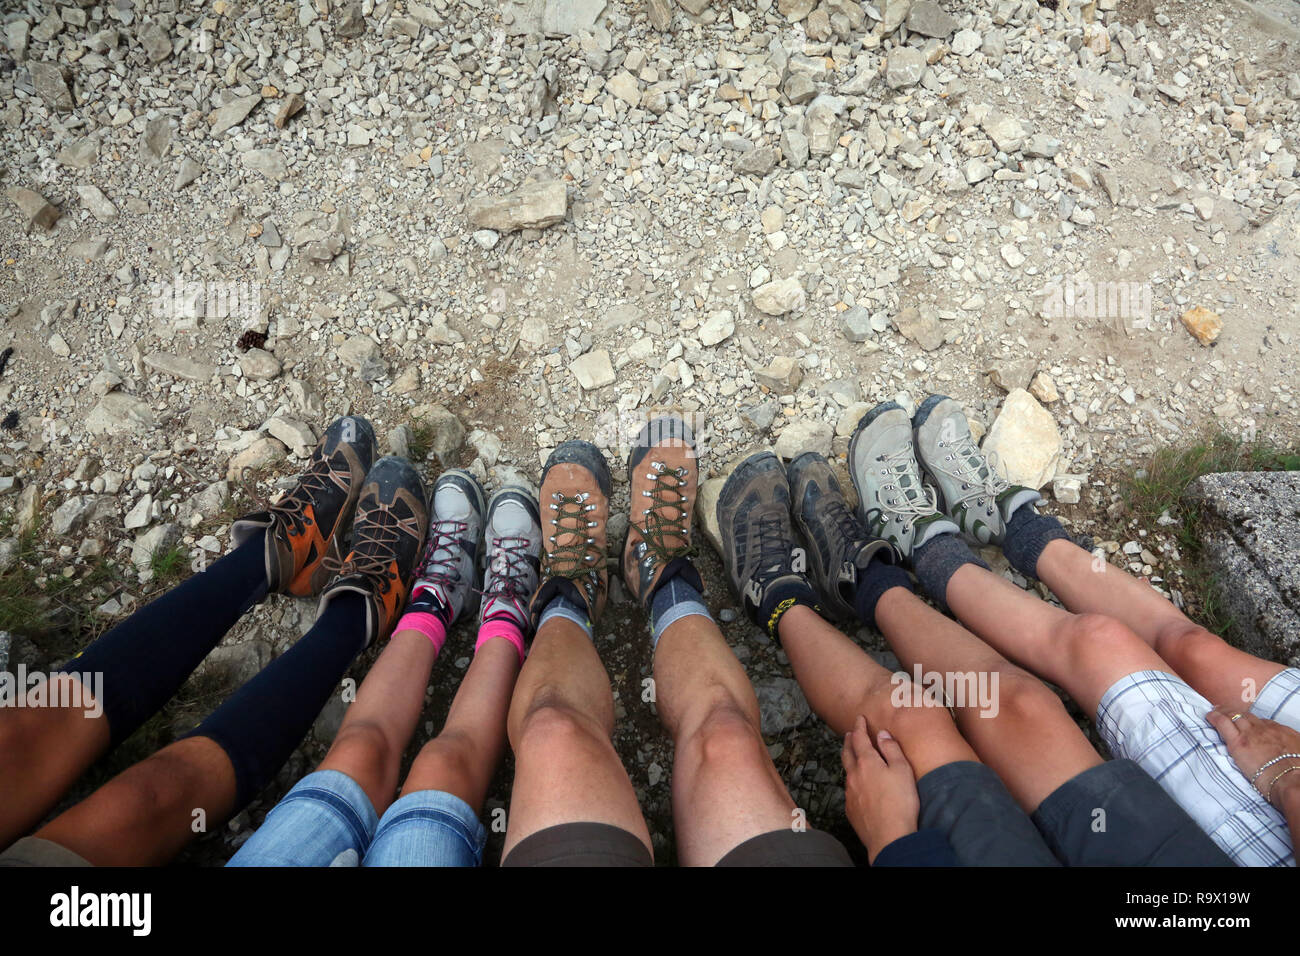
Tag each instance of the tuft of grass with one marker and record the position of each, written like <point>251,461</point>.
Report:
<point>421,442</point>
<point>1159,488</point>
<point>169,565</point>
<point>56,610</point>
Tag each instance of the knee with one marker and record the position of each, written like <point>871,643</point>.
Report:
<point>150,788</point>
<point>1091,637</point>
<point>1189,647</point>
<point>1023,698</point>
<point>726,735</point>
<point>905,709</point>
<point>364,741</point>
<point>453,751</point>
<point>549,723</point>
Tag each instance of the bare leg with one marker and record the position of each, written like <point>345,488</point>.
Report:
<point>148,813</point>
<point>1083,653</point>
<point>379,723</point>
<point>1217,670</point>
<point>725,788</point>
<point>462,759</point>
<point>1026,736</point>
<point>842,682</point>
<point>560,723</point>
<point>43,750</point>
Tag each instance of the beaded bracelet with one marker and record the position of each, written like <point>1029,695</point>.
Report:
<point>1277,759</point>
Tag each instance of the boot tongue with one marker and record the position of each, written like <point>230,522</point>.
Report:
<point>906,483</point>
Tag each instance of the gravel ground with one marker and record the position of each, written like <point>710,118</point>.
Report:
<point>490,226</point>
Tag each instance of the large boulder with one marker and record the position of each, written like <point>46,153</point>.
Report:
<point>1251,526</point>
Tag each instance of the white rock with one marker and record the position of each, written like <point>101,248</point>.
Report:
<point>717,328</point>
<point>1025,441</point>
<point>780,296</point>
<point>593,370</point>
<point>804,435</point>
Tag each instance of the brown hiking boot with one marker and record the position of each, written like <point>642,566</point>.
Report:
<point>663,473</point>
<point>391,524</point>
<point>308,524</point>
<point>575,510</point>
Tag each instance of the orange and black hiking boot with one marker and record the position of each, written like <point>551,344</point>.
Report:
<point>575,510</point>
<point>663,474</point>
<point>391,524</point>
<point>309,523</point>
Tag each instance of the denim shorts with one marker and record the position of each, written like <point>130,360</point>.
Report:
<point>327,820</point>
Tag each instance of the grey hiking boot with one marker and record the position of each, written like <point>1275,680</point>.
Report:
<point>893,502</point>
<point>514,549</point>
<point>970,490</point>
<point>839,546</point>
<point>448,569</point>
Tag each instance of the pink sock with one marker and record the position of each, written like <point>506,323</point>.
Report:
<point>501,628</point>
<point>427,624</point>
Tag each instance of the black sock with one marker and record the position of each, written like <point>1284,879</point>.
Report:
<point>145,659</point>
<point>787,593</point>
<point>879,577</point>
<point>262,723</point>
<point>1028,533</point>
<point>936,561</point>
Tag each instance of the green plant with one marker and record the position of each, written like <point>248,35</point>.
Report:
<point>1158,489</point>
<point>169,565</point>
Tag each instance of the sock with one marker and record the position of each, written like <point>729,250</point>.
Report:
<point>787,593</point>
<point>261,723</point>
<point>426,613</point>
<point>428,624</point>
<point>936,561</point>
<point>501,625</point>
<point>673,600</point>
<point>879,577</point>
<point>566,606</point>
<point>137,666</point>
<point>1028,533</point>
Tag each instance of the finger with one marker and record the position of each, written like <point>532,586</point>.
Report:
<point>1223,723</point>
<point>892,751</point>
<point>863,748</point>
<point>847,756</point>
<point>1241,717</point>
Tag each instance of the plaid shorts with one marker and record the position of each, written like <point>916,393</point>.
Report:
<point>1156,720</point>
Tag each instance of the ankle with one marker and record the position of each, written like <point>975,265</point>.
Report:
<point>793,591</point>
<point>674,599</point>
<point>1028,534</point>
<point>936,561</point>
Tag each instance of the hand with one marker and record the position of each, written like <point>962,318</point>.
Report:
<point>1253,742</point>
<point>880,795</point>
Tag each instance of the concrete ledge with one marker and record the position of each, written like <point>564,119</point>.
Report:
<point>1253,547</point>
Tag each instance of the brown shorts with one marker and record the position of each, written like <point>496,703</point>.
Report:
<point>580,844</point>
<point>600,844</point>
<point>33,851</point>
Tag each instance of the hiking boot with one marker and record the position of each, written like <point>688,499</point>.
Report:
<point>575,510</point>
<point>970,490</point>
<point>514,548</point>
<point>893,502</point>
<point>391,522</point>
<point>839,545</point>
<point>308,524</point>
<point>448,569</point>
<point>759,550</point>
<point>663,475</point>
